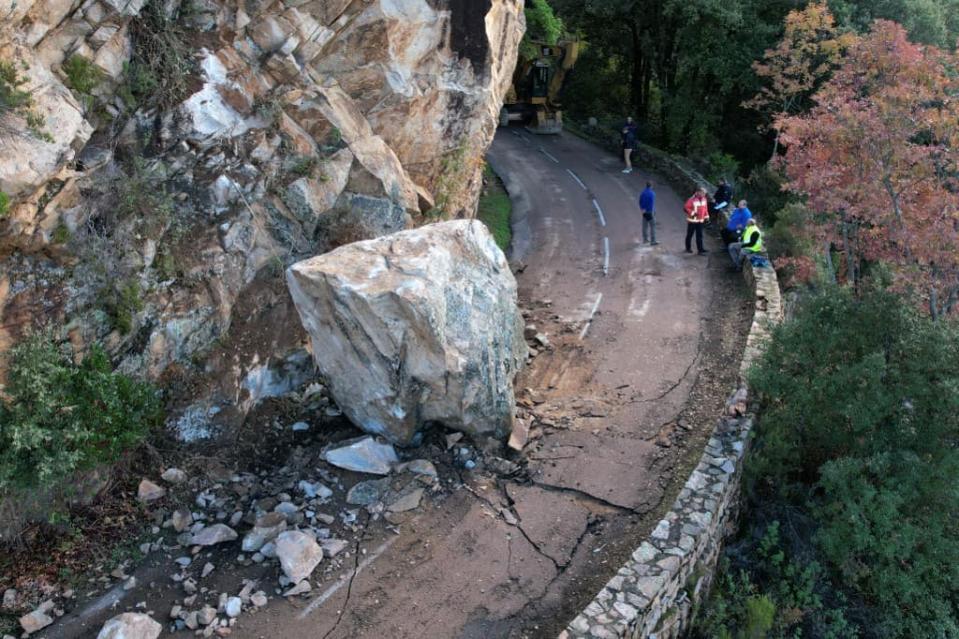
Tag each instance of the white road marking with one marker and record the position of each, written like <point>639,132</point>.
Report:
<point>592,314</point>
<point>599,211</point>
<point>332,590</point>
<point>547,154</point>
<point>578,181</point>
<point>605,256</point>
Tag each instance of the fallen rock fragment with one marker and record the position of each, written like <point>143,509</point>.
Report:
<point>38,619</point>
<point>367,492</point>
<point>212,535</point>
<point>419,326</point>
<point>299,589</point>
<point>266,529</point>
<point>130,625</point>
<point>409,501</point>
<point>206,615</point>
<point>173,476</point>
<point>363,455</point>
<point>233,607</point>
<point>182,519</point>
<point>520,435</point>
<point>299,554</point>
<point>333,547</point>
<point>147,491</point>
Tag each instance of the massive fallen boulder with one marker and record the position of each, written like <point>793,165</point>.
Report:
<point>416,327</point>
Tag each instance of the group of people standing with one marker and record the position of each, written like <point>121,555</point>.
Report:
<point>740,234</point>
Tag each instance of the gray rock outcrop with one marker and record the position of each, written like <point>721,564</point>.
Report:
<point>416,327</point>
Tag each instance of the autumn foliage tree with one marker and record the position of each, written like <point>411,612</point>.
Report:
<point>877,158</point>
<point>808,52</point>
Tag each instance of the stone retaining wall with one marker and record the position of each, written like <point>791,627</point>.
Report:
<point>654,594</point>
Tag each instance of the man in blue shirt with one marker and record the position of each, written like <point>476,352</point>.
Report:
<point>737,222</point>
<point>647,204</point>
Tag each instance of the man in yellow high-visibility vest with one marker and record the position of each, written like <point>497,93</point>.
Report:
<point>751,243</point>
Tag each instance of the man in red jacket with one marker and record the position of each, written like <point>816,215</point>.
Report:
<point>697,212</point>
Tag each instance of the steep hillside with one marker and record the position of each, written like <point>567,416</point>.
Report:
<point>163,161</point>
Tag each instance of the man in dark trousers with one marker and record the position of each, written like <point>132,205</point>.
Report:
<point>697,212</point>
<point>721,199</point>
<point>647,204</point>
<point>628,135</point>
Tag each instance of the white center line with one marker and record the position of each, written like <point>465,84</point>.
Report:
<point>576,177</point>
<point>319,601</point>
<point>547,154</point>
<point>599,211</point>
<point>606,256</point>
<point>591,315</point>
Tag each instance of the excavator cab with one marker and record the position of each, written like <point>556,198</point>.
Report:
<point>533,99</point>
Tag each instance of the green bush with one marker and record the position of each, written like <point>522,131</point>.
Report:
<point>123,303</point>
<point>542,25</point>
<point>58,417</point>
<point>81,75</point>
<point>859,424</point>
<point>4,204</point>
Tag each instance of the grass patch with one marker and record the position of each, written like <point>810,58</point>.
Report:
<point>18,102</point>
<point>82,76</point>
<point>495,209</point>
<point>4,204</point>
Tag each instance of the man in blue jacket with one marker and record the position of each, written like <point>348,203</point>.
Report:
<point>737,223</point>
<point>647,204</point>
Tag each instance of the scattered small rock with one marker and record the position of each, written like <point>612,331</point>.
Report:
<point>207,569</point>
<point>233,607</point>
<point>299,554</point>
<point>333,547</point>
<point>258,599</point>
<point>419,467</point>
<point>10,598</point>
<point>299,589</point>
<point>148,491</point>
<point>407,502</point>
<point>313,490</point>
<point>300,427</point>
<point>367,492</point>
<point>38,619</point>
<point>266,529</point>
<point>173,476</point>
<point>363,455</point>
<point>206,615</point>
<point>212,535</point>
<point>130,625</point>
<point>182,519</point>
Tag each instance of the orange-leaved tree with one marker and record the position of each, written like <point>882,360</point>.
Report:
<point>807,54</point>
<point>878,160</point>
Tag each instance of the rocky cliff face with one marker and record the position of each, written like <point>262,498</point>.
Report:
<point>173,156</point>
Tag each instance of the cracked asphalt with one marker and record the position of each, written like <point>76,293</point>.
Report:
<point>645,344</point>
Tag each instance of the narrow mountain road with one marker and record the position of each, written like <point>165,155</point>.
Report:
<point>623,400</point>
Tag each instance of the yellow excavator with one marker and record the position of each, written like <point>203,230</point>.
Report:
<point>533,99</point>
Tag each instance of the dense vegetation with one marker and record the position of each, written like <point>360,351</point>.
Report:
<point>683,68</point>
<point>854,511</point>
<point>842,116</point>
<point>59,417</point>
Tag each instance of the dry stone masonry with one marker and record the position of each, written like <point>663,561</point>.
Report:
<point>417,327</point>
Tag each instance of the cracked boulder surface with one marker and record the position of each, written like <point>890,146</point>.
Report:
<point>618,420</point>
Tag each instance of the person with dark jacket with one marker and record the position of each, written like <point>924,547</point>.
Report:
<point>721,199</point>
<point>628,135</point>
<point>647,204</point>
<point>733,230</point>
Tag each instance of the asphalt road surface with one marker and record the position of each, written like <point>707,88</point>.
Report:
<point>518,556</point>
